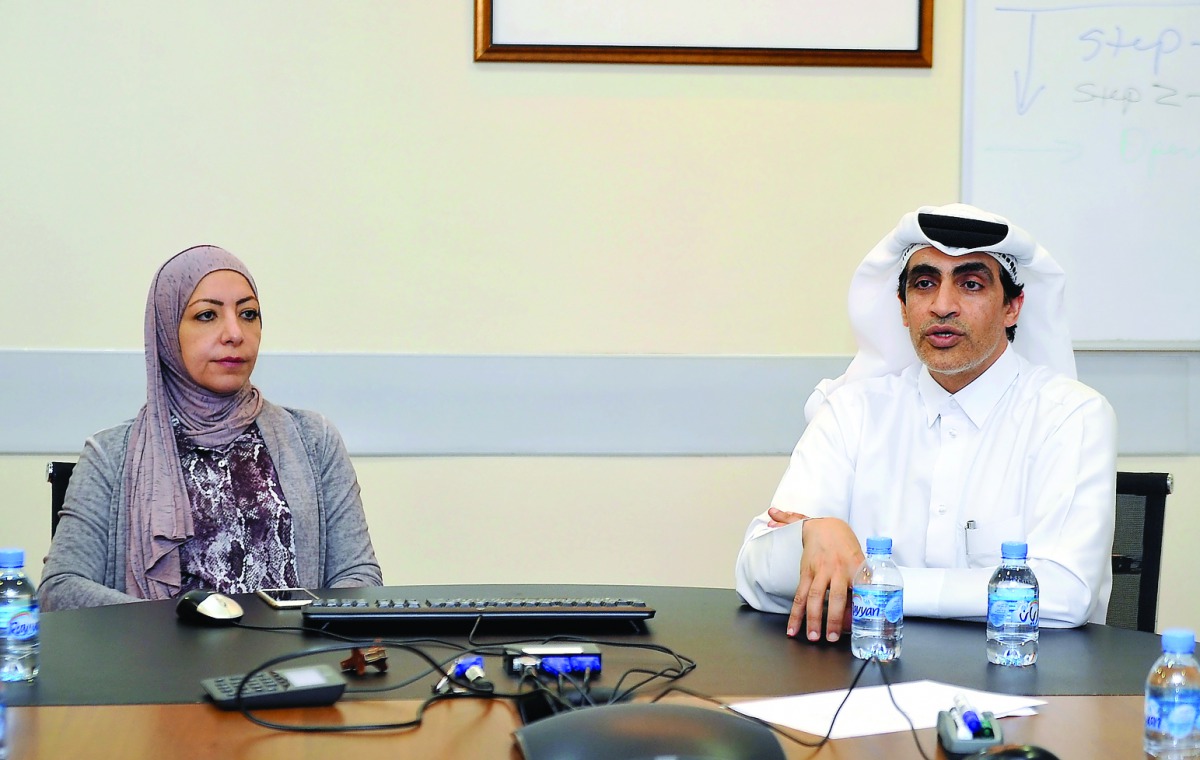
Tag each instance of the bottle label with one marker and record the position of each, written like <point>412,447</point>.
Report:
<point>19,621</point>
<point>23,625</point>
<point>878,605</point>
<point>1175,717</point>
<point>1012,606</point>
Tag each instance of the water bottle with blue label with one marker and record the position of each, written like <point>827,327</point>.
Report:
<point>18,619</point>
<point>1012,622</point>
<point>877,618</point>
<point>1173,699</point>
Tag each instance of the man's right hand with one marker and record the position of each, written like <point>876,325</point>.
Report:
<point>779,518</point>
<point>831,557</point>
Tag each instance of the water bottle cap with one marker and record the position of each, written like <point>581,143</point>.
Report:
<point>1178,641</point>
<point>1014,550</point>
<point>12,558</point>
<point>879,545</point>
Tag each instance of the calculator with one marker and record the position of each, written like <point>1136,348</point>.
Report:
<point>307,686</point>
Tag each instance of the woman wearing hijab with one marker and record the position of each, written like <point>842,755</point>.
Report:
<point>211,486</point>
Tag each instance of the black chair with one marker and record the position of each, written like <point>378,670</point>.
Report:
<point>58,474</point>
<point>1137,549</point>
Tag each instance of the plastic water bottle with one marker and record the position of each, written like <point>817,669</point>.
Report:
<point>18,619</point>
<point>877,618</point>
<point>1173,699</point>
<point>1012,622</point>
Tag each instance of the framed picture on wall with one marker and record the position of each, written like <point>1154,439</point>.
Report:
<point>889,33</point>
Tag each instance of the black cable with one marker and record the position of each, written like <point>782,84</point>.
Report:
<point>620,696</point>
<point>501,646</point>
<point>798,740</point>
<point>729,708</point>
<point>434,666</point>
<point>499,649</point>
<point>441,668</point>
<point>587,683</point>
<point>683,666</point>
<point>364,642</point>
<point>530,674</point>
<point>683,663</point>
<point>583,691</point>
<point>247,712</point>
<point>911,727</point>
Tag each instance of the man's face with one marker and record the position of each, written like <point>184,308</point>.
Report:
<point>955,314</point>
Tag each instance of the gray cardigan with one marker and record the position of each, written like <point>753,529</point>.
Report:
<point>86,564</point>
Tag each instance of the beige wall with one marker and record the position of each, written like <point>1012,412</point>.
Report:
<point>392,195</point>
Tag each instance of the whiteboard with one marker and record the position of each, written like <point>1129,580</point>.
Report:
<point>1082,125</point>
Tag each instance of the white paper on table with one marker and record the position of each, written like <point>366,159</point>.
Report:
<point>870,710</point>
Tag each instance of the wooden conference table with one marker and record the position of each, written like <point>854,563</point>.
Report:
<point>123,682</point>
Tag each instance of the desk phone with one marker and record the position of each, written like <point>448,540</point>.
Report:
<point>307,686</point>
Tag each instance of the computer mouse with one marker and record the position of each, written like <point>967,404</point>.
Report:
<point>1016,752</point>
<point>207,608</point>
<point>643,731</point>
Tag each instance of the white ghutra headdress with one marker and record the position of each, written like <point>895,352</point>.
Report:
<point>884,345</point>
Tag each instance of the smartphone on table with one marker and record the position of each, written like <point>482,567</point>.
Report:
<point>287,598</point>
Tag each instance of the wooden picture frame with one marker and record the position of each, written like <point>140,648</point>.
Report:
<point>838,32</point>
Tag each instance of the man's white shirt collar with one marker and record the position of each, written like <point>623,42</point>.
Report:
<point>976,400</point>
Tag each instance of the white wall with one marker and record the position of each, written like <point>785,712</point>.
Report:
<point>391,195</point>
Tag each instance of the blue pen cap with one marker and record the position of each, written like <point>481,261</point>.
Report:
<point>12,558</point>
<point>879,545</point>
<point>1014,550</point>
<point>1178,641</point>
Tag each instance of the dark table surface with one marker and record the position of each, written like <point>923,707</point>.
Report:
<point>141,654</point>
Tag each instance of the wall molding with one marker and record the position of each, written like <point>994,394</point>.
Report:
<point>487,405</point>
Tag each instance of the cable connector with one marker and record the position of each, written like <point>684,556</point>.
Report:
<point>469,669</point>
<point>555,659</point>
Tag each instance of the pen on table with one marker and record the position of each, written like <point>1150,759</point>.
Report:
<point>960,728</point>
<point>971,718</point>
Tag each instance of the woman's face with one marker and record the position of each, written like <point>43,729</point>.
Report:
<point>220,332</point>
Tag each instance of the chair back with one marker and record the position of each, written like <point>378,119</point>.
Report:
<point>58,474</point>
<point>1137,549</point>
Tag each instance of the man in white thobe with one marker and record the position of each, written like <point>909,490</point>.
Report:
<point>948,436</point>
